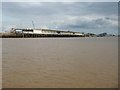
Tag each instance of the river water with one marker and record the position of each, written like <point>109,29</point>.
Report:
<point>60,62</point>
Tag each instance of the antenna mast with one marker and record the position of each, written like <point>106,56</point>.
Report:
<point>33,25</point>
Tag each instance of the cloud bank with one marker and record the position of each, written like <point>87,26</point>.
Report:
<point>94,17</point>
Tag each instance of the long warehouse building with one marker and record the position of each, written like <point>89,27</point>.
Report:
<point>17,32</point>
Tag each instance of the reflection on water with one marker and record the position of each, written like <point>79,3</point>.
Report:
<point>60,62</point>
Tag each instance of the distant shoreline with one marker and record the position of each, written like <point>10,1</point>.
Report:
<point>13,35</point>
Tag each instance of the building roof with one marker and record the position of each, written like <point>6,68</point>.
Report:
<point>56,30</point>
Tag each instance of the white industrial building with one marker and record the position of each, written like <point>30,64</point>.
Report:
<point>46,32</point>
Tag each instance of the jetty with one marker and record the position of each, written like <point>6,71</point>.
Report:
<point>36,33</point>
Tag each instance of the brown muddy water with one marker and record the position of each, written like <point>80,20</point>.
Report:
<point>60,62</point>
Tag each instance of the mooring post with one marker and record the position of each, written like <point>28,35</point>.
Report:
<point>22,34</point>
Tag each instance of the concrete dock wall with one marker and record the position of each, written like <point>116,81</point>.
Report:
<point>37,35</point>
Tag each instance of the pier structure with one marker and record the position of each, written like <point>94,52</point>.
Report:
<point>35,33</point>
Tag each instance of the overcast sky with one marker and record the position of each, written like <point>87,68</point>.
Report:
<point>92,17</point>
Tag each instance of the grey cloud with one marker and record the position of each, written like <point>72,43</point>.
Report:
<point>51,14</point>
<point>95,24</point>
<point>104,8</point>
<point>48,8</point>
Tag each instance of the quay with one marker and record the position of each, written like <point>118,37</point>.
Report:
<point>36,33</point>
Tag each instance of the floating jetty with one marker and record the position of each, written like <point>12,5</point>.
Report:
<point>36,33</point>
